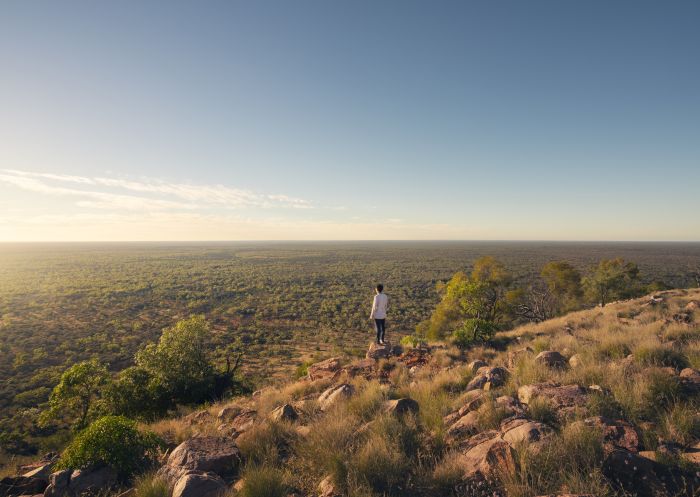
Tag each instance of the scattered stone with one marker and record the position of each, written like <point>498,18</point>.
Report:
<point>328,398</point>
<point>284,413</point>
<point>228,413</point>
<point>22,485</point>
<point>58,483</point>
<point>199,485</point>
<point>495,376</point>
<point>552,359</point>
<point>488,456</point>
<point>474,366</point>
<point>415,357</point>
<point>683,317</point>
<point>327,489</point>
<point>400,407</point>
<point>243,421</point>
<point>575,361</point>
<point>692,306</point>
<point>515,355</point>
<point>465,426</point>
<point>327,369</point>
<point>653,300</point>
<point>198,417</point>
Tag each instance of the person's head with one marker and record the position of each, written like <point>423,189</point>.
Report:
<point>380,288</point>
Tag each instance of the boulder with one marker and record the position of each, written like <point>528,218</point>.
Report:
<point>242,421</point>
<point>199,485</point>
<point>464,427</point>
<point>284,413</point>
<point>400,407</point>
<point>42,472</point>
<point>521,430</point>
<point>22,485</point>
<point>327,369</point>
<point>91,481</point>
<point>488,456</point>
<point>552,359</point>
<point>510,405</point>
<point>228,413</point>
<point>219,455</point>
<point>495,377</point>
<point>616,434</point>
<point>692,306</point>
<point>334,394</point>
<point>565,399</point>
<point>198,417</point>
<point>58,483</point>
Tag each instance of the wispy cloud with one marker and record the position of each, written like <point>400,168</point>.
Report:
<point>150,194</point>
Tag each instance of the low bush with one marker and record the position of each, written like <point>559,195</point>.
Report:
<point>263,481</point>
<point>149,485</point>
<point>112,441</point>
<point>649,356</point>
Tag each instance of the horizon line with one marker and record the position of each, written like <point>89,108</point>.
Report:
<point>321,240</point>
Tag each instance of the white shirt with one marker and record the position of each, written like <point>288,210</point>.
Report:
<point>379,306</point>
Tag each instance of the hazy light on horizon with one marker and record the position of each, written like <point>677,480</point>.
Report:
<point>315,120</point>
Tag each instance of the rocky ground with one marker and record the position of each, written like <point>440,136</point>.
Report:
<point>599,402</point>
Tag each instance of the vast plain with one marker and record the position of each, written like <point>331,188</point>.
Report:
<point>281,304</point>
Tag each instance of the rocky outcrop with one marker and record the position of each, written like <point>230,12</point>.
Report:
<point>565,399</point>
<point>551,359</point>
<point>79,482</point>
<point>378,351</point>
<point>616,434</point>
<point>334,394</point>
<point>323,370</point>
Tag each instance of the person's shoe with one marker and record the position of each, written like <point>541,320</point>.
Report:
<point>381,342</point>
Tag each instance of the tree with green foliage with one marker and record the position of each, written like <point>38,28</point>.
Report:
<point>612,279</point>
<point>137,394</point>
<point>474,306</point>
<point>180,362</point>
<point>563,282</point>
<point>76,398</point>
<point>113,441</point>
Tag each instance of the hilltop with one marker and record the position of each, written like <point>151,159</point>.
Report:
<point>601,401</point>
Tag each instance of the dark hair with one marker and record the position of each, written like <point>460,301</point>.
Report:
<point>380,288</point>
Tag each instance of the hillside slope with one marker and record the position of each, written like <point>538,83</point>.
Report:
<point>602,401</point>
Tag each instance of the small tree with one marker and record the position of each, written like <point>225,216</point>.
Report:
<point>136,394</point>
<point>76,397</point>
<point>611,279</point>
<point>179,363</point>
<point>563,282</point>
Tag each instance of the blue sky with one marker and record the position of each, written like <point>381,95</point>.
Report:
<point>349,120</point>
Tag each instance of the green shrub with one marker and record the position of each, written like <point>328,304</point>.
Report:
<point>113,441</point>
<point>412,341</point>
<point>263,481</point>
<point>473,331</point>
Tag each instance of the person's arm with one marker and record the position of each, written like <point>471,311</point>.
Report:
<point>374,307</point>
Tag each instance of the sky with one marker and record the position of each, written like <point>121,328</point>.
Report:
<point>259,120</point>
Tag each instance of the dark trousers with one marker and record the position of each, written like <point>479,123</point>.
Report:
<point>380,325</point>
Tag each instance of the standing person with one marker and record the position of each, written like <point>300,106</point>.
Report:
<point>379,313</point>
